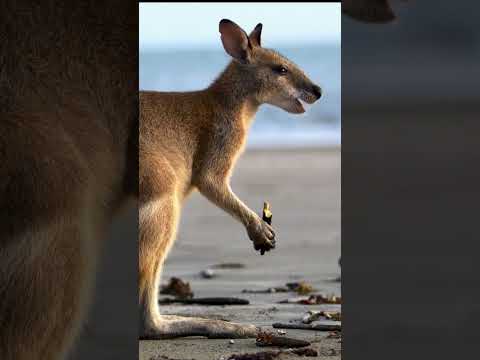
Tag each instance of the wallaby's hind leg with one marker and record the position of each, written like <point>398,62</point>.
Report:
<point>158,225</point>
<point>158,222</point>
<point>45,278</point>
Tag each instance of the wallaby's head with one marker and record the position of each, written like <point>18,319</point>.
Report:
<point>272,78</point>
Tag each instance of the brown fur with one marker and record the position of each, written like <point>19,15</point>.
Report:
<point>369,11</point>
<point>68,163</point>
<point>191,141</point>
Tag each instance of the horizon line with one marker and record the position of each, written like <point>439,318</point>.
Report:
<point>190,47</point>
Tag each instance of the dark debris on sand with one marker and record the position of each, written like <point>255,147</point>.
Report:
<point>302,288</point>
<point>228,266</point>
<point>269,339</point>
<point>315,299</point>
<point>164,357</point>
<point>178,288</point>
<point>271,355</point>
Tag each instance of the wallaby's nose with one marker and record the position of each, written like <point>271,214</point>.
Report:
<point>317,91</point>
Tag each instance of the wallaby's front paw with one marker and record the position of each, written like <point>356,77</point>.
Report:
<point>262,235</point>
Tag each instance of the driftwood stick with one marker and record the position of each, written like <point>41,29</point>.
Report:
<point>271,355</point>
<point>268,339</point>
<point>208,301</point>
<point>330,326</point>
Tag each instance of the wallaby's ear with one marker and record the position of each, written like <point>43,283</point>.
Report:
<point>369,11</point>
<point>255,35</point>
<point>235,41</point>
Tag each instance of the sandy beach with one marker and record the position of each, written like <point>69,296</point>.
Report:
<point>303,187</point>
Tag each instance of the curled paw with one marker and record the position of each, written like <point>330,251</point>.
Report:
<point>262,235</point>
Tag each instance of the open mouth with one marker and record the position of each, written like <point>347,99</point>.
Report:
<point>298,104</point>
<point>304,101</point>
<point>301,105</point>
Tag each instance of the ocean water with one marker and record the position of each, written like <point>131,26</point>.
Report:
<point>320,126</point>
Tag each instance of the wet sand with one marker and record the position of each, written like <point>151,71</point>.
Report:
<point>303,187</point>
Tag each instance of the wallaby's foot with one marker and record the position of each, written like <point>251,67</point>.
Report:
<point>262,235</point>
<point>172,326</point>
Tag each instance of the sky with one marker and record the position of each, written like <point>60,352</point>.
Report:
<point>170,26</point>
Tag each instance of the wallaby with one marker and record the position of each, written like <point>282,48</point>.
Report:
<point>191,140</point>
<point>69,162</point>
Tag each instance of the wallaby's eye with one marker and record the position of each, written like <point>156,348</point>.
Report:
<point>282,70</point>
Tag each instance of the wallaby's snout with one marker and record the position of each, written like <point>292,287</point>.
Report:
<point>317,91</point>
<point>304,93</point>
<point>268,76</point>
